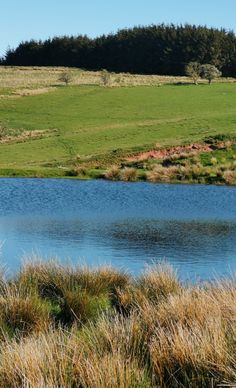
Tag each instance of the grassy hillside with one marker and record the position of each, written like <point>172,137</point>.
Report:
<point>46,125</point>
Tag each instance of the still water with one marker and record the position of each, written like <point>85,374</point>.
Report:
<point>128,225</point>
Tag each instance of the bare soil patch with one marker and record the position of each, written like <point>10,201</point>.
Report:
<point>168,152</point>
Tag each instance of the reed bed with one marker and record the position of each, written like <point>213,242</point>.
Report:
<point>74,326</point>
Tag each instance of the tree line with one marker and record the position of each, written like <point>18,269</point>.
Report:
<point>157,49</point>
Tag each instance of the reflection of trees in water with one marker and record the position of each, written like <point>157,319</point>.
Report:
<point>139,237</point>
<point>176,234</point>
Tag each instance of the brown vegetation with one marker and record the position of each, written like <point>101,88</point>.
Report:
<point>175,152</point>
<point>37,78</point>
<point>75,326</point>
<point>8,136</point>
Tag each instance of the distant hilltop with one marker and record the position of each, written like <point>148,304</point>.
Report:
<point>156,49</point>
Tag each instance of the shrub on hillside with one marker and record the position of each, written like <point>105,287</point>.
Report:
<point>210,72</point>
<point>65,77</point>
<point>193,70</point>
<point>105,78</point>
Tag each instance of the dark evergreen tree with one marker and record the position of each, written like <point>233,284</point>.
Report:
<point>161,49</point>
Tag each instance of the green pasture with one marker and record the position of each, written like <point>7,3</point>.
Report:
<point>83,122</point>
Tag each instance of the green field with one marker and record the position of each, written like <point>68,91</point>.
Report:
<point>81,123</point>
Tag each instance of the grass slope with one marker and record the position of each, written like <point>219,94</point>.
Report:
<point>80,122</point>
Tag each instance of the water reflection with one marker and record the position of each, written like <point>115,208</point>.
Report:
<point>129,225</point>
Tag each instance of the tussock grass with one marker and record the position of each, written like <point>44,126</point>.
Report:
<point>191,170</point>
<point>75,326</point>
<point>188,356</point>
<point>57,359</point>
<point>113,173</point>
<point>230,177</point>
<point>128,174</point>
<point>76,293</point>
<point>113,369</point>
<point>158,282</point>
<point>44,360</point>
<point>21,314</point>
<point>51,278</point>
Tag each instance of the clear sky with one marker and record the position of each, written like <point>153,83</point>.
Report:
<point>27,19</point>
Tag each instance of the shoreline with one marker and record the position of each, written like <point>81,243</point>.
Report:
<point>211,161</point>
<point>81,179</point>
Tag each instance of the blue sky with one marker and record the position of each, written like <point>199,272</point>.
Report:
<point>26,19</point>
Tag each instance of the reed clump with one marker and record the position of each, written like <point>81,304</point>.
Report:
<point>75,326</point>
<point>113,173</point>
<point>22,312</point>
<point>129,174</point>
<point>230,177</point>
<point>190,172</point>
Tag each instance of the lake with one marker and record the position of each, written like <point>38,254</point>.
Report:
<point>128,225</point>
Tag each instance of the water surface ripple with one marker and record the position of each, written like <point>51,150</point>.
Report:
<point>125,224</point>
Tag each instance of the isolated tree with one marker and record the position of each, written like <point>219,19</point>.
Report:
<point>105,78</point>
<point>193,70</point>
<point>65,77</point>
<point>210,72</point>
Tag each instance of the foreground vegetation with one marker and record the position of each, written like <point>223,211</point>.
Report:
<point>101,123</point>
<point>64,326</point>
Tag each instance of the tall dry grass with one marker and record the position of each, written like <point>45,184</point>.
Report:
<point>21,314</point>
<point>58,359</point>
<point>65,326</point>
<point>35,80</point>
<point>113,173</point>
<point>128,174</point>
<point>51,278</point>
